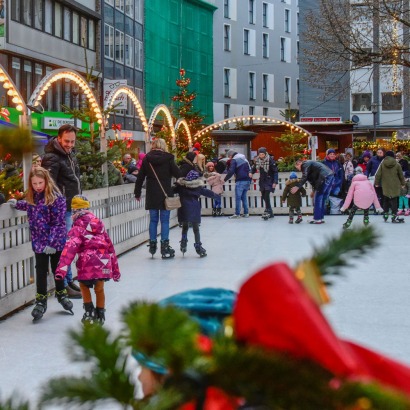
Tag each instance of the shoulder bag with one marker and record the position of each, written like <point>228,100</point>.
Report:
<point>170,202</point>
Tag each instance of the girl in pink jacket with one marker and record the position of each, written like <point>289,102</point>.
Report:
<point>97,262</point>
<point>363,194</point>
<point>216,182</point>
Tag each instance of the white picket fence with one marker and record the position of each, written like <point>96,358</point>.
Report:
<point>126,221</point>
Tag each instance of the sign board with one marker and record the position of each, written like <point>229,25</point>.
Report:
<point>320,120</point>
<point>312,142</point>
<point>51,123</point>
<point>109,87</point>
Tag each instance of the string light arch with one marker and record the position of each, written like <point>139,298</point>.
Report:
<point>165,111</point>
<point>63,73</point>
<point>12,91</point>
<point>182,123</point>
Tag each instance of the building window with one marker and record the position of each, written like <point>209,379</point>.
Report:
<point>226,110</point>
<point>227,74</point>
<point>265,14</point>
<point>110,2</point>
<point>227,37</point>
<point>287,21</point>
<point>265,45</point>
<point>297,51</point>
<point>139,55</point>
<point>48,17</point>
<point>391,101</point>
<point>119,46</point>
<point>265,112</point>
<point>251,4</point>
<point>119,5</point>
<point>282,49</point>
<point>129,8</point>
<point>38,15</point>
<point>297,92</point>
<point>287,90</point>
<point>91,34</point>
<point>362,102</point>
<point>297,23</point>
<point>109,41</point>
<point>246,41</point>
<point>265,87</point>
<point>67,24</point>
<point>58,26</point>
<point>251,86</point>
<point>139,12</point>
<point>226,9</point>
<point>129,51</point>
<point>76,28</point>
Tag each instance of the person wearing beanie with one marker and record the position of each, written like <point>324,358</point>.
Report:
<point>190,189</point>
<point>216,181</point>
<point>97,261</point>
<point>294,200</point>
<point>265,165</point>
<point>390,178</point>
<point>371,168</point>
<point>332,162</point>
<point>239,166</point>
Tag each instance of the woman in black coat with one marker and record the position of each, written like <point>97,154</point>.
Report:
<point>165,168</point>
<point>188,164</point>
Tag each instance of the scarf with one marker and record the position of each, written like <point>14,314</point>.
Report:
<point>263,163</point>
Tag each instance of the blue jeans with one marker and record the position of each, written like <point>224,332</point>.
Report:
<point>155,216</point>
<point>321,197</point>
<point>69,224</point>
<point>241,189</point>
<point>217,202</point>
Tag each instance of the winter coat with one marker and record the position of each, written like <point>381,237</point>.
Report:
<point>190,192</point>
<point>404,165</point>
<point>267,179</point>
<point>215,181</point>
<point>373,165</point>
<point>46,222</point>
<point>390,177</point>
<point>165,168</point>
<point>188,164</point>
<point>315,173</point>
<point>64,170</point>
<point>338,172</point>
<point>294,200</point>
<point>239,166</point>
<point>96,255</point>
<point>362,193</point>
<point>406,190</point>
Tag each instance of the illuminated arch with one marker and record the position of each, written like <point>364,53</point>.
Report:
<point>254,118</point>
<point>64,73</point>
<point>182,123</point>
<point>12,91</point>
<point>158,109</point>
<point>124,89</point>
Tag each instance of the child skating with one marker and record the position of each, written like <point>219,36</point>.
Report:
<point>294,200</point>
<point>97,262</point>
<point>404,197</point>
<point>216,182</point>
<point>46,208</point>
<point>363,195</point>
<point>190,189</point>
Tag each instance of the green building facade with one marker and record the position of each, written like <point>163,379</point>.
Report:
<point>178,34</point>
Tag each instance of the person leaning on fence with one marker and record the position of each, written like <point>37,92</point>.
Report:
<point>294,200</point>
<point>321,178</point>
<point>160,162</point>
<point>268,178</point>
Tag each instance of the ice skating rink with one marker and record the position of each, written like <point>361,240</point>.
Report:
<point>370,304</point>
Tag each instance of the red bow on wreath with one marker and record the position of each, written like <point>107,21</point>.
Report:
<point>116,127</point>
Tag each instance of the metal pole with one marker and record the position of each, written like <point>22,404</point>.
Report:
<point>25,122</point>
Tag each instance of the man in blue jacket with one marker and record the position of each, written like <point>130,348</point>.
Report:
<point>239,166</point>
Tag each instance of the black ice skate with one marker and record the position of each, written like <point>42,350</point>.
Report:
<point>40,307</point>
<point>214,212</point>
<point>64,301</point>
<point>152,247</point>
<point>166,251</point>
<point>386,217</point>
<point>396,220</point>
<point>366,220</point>
<point>299,219</point>
<point>89,315</point>
<point>218,212</point>
<point>267,214</point>
<point>183,247</point>
<point>200,250</point>
<point>99,316</point>
<point>347,224</point>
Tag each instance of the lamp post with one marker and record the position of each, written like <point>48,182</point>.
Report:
<point>374,112</point>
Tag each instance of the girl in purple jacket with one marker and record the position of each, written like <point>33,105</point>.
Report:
<point>96,262</point>
<point>46,208</point>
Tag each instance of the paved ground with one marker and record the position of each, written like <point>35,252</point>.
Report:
<point>370,305</point>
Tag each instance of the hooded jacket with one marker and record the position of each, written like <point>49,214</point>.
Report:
<point>294,200</point>
<point>362,193</point>
<point>63,168</point>
<point>338,172</point>
<point>390,177</point>
<point>315,173</point>
<point>267,179</point>
<point>373,165</point>
<point>215,181</point>
<point>96,255</point>
<point>165,168</point>
<point>188,164</point>
<point>240,167</point>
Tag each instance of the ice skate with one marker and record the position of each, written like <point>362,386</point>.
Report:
<point>291,220</point>
<point>64,301</point>
<point>347,224</point>
<point>40,307</point>
<point>89,315</point>
<point>166,251</point>
<point>183,247</point>
<point>407,212</point>
<point>214,212</point>
<point>396,220</point>
<point>152,247</point>
<point>99,316</point>
<point>219,212</point>
<point>299,219</point>
<point>400,212</point>
<point>386,217</point>
<point>267,214</point>
<point>200,250</point>
<point>366,220</point>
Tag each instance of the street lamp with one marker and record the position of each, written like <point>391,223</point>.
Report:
<point>374,112</point>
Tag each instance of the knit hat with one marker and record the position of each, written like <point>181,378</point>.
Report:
<point>197,145</point>
<point>192,175</point>
<point>209,164</point>
<point>330,151</point>
<point>358,170</point>
<point>262,150</point>
<point>293,175</point>
<point>80,202</point>
<point>389,154</point>
<point>231,153</point>
<point>367,154</point>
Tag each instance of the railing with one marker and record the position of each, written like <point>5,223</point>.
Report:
<point>125,219</point>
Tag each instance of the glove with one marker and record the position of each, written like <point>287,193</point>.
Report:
<point>380,210</point>
<point>12,202</point>
<point>48,250</point>
<point>342,210</point>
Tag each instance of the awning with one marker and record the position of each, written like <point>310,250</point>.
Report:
<point>38,133</point>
